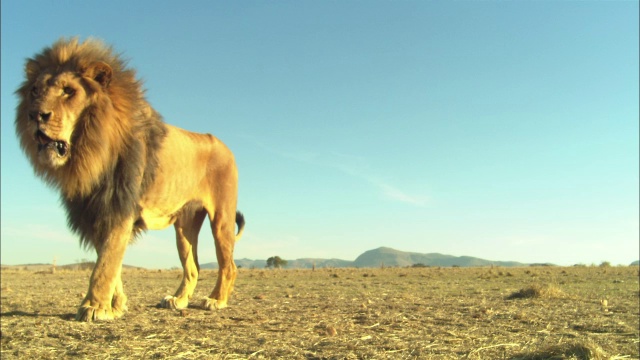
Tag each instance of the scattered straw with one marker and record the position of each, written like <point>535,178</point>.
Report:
<point>489,347</point>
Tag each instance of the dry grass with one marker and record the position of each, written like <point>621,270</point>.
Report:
<point>573,350</point>
<point>409,313</point>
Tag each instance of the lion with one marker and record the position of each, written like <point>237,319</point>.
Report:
<point>87,129</point>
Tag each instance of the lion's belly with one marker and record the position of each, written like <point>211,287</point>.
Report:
<point>156,220</point>
<point>156,215</point>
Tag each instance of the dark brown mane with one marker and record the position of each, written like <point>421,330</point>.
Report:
<point>115,141</point>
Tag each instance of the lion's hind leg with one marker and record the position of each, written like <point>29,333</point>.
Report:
<point>187,228</point>
<point>223,227</point>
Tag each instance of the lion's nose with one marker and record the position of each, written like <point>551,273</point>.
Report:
<point>40,116</point>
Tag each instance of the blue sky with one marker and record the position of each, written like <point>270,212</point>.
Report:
<point>501,130</point>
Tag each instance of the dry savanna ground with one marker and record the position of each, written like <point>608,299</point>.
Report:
<point>391,313</point>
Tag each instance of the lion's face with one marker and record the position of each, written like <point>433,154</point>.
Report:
<point>54,104</point>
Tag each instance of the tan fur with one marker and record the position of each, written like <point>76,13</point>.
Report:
<point>88,131</point>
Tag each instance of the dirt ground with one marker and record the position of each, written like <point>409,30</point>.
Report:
<point>390,313</point>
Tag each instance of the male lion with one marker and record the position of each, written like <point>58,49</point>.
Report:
<point>86,127</point>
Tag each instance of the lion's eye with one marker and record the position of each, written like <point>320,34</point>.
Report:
<point>68,90</point>
<point>34,91</point>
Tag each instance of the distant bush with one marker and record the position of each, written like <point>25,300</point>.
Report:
<point>419,265</point>
<point>276,262</point>
<point>605,264</point>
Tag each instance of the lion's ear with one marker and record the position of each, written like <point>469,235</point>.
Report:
<point>32,69</point>
<point>100,72</point>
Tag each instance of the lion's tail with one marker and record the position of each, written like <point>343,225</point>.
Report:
<point>240,223</point>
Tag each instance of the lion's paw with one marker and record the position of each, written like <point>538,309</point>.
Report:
<point>91,313</point>
<point>119,305</point>
<point>172,302</point>
<point>213,304</point>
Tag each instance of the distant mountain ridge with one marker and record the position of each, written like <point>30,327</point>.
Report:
<point>379,257</point>
<point>382,256</point>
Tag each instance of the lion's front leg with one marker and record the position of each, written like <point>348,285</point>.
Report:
<point>105,298</point>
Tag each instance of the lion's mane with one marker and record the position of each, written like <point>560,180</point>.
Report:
<point>114,143</point>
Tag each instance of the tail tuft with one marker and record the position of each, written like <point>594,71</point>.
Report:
<point>240,223</point>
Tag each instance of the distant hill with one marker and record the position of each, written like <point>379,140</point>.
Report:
<point>391,257</point>
<point>376,258</point>
<point>636,263</point>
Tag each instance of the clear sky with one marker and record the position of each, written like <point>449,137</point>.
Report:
<point>501,130</point>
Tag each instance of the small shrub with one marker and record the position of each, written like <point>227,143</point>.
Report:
<point>538,291</point>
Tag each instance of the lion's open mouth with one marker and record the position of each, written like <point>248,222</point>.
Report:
<point>45,142</point>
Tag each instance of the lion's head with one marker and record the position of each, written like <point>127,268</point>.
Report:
<point>55,103</point>
<point>78,104</point>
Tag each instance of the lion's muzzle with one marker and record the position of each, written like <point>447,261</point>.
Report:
<point>61,148</point>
